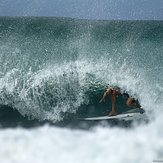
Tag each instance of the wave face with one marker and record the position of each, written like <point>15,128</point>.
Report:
<point>53,66</point>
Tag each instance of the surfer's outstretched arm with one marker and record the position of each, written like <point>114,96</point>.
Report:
<point>107,92</point>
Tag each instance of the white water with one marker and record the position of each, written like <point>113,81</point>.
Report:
<point>141,144</point>
<point>102,144</point>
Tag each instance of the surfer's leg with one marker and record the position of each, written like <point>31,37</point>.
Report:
<point>114,110</point>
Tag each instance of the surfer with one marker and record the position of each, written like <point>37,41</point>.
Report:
<point>115,91</point>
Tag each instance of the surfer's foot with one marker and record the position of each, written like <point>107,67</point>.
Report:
<point>112,114</point>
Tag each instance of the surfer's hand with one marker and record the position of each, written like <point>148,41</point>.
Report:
<point>102,100</point>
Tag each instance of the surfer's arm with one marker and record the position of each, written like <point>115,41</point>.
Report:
<point>107,92</point>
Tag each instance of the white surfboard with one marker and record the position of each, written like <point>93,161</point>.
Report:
<point>124,116</point>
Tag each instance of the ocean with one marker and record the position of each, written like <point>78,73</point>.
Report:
<point>54,71</point>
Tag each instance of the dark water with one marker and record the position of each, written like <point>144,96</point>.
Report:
<point>54,69</point>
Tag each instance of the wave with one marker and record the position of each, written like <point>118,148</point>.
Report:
<point>53,66</point>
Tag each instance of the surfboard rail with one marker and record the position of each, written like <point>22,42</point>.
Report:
<point>126,116</point>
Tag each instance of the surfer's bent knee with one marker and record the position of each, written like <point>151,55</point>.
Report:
<point>130,101</point>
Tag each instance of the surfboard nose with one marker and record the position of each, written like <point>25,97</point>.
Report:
<point>142,111</point>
